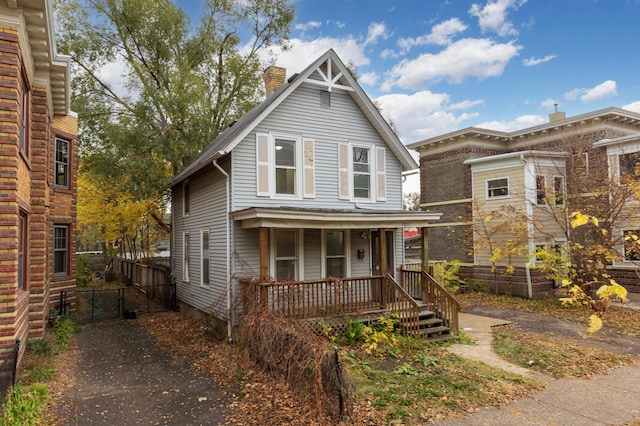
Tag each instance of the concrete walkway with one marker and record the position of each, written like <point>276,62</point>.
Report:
<point>611,399</point>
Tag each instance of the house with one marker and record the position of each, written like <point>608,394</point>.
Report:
<point>305,188</point>
<point>477,176</point>
<point>38,163</point>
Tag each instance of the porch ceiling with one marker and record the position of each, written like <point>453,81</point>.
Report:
<point>258,217</point>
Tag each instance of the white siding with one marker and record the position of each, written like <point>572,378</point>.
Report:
<point>208,203</point>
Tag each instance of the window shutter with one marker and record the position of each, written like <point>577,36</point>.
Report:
<point>309,171</point>
<point>262,165</point>
<point>381,174</point>
<point>343,171</point>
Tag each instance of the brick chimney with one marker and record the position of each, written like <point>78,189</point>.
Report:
<point>274,78</point>
<point>557,116</point>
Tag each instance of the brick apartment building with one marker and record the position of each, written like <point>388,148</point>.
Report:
<point>468,174</point>
<point>38,164</point>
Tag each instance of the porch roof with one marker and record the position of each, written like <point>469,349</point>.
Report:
<point>258,217</point>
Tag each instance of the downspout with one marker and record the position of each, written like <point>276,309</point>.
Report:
<point>227,236</point>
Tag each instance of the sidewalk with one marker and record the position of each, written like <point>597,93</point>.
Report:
<point>611,399</point>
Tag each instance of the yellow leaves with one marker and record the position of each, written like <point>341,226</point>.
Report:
<point>613,290</point>
<point>579,219</point>
<point>595,324</point>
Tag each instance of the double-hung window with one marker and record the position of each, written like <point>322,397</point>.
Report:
<point>497,188</point>
<point>186,197</point>
<point>204,254</point>
<point>629,167</point>
<point>62,163</point>
<point>25,115</point>
<point>335,253</point>
<point>286,254</point>
<point>541,190</point>
<point>60,249</point>
<point>558,190</point>
<point>631,245</point>
<point>186,247</point>
<point>286,166</point>
<point>22,251</point>
<point>361,162</point>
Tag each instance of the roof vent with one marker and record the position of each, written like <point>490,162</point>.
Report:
<point>232,123</point>
<point>293,77</point>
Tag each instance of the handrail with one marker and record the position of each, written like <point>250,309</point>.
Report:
<point>441,301</point>
<point>400,301</point>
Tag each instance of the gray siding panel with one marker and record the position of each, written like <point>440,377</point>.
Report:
<point>301,114</point>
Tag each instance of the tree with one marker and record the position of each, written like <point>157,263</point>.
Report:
<point>179,86</point>
<point>411,202</point>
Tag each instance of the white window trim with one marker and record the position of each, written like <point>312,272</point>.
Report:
<point>499,197</point>
<point>347,252</point>
<point>299,165</point>
<point>186,257</point>
<point>373,173</point>
<point>272,250</point>
<point>202,270</point>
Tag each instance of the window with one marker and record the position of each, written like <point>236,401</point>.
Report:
<point>185,257</point>
<point>60,249</point>
<point>632,244</point>
<point>62,163</point>
<point>25,113</point>
<point>361,172</point>
<point>335,249</point>
<point>629,166</point>
<point>286,170</point>
<point>205,257</point>
<point>285,166</point>
<point>498,188</point>
<point>186,192</point>
<point>540,252</point>
<point>558,190</point>
<point>22,251</point>
<point>541,192</point>
<point>286,254</point>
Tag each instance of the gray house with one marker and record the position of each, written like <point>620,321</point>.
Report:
<point>306,187</point>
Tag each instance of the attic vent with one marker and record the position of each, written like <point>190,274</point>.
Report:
<point>293,77</point>
<point>325,99</point>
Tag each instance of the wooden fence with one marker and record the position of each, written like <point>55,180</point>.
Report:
<point>154,278</point>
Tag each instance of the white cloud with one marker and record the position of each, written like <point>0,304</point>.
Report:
<point>368,78</point>
<point>301,53</point>
<point>493,16</point>
<point>425,114</point>
<point>549,103</point>
<point>519,123</point>
<point>441,34</point>
<point>532,62</point>
<point>603,90</point>
<point>633,106</point>
<point>376,31</point>
<point>307,25</point>
<point>480,58</point>
<point>113,75</point>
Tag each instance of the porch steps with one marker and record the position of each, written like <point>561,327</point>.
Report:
<point>431,327</point>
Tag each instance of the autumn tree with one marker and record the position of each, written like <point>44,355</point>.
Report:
<point>152,89</point>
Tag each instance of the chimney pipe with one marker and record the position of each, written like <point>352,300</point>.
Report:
<point>556,116</point>
<point>274,77</point>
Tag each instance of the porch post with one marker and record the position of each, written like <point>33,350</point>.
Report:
<point>424,248</point>
<point>382,253</point>
<point>264,254</point>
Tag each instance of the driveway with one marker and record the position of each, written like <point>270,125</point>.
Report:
<point>123,377</point>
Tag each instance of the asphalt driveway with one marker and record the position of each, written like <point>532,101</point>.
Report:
<point>124,377</point>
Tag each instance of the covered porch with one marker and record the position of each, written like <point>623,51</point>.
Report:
<point>366,278</point>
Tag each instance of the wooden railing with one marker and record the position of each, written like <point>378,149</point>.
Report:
<point>315,298</point>
<point>422,286</point>
<point>399,301</point>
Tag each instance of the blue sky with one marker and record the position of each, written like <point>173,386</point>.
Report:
<point>440,65</point>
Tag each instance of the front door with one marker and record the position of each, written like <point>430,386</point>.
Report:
<point>389,248</point>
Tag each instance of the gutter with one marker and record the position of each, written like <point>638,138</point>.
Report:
<point>228,240</point>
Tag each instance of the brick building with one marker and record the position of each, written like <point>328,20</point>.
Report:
<point>38,164</point>
<point>471,173</point>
